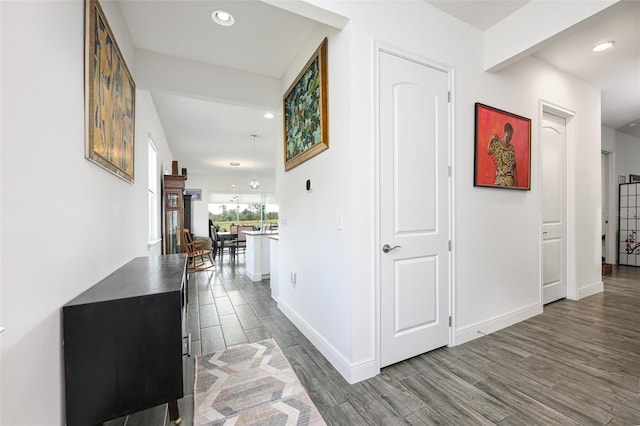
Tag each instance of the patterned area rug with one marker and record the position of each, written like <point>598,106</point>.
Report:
<point>250,384</point>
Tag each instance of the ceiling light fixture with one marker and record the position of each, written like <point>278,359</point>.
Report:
<point>633,124</point>
<point>254,184</point>
<point>268,115</point>
<point>234,164</point>
<point>603,46</point>
<point>223,18</point>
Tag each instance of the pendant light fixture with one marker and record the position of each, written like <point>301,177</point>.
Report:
<point>254,184</point>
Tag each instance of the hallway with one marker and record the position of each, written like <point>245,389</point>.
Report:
<point>578,363</point>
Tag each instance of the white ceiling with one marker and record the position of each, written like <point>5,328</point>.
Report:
<point>205,135</point>
<point>480,14</point>
<point>616,72</point>
<point>263,40</point>
<point>209,136</point>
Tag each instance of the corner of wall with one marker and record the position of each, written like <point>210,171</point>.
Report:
<point>352,373</point>
<point>590,290</point>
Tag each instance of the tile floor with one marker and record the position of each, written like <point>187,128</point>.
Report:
<point>225,309</point>
<point>529,373</point>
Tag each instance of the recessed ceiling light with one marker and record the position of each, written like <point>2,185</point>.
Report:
<point>603,46</point>
<point>234,163</point>
<point>268,115</point>
<point>633,124</point>
<point>233,187</point>
<point>223,18</point>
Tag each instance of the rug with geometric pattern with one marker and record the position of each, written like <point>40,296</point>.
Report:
<point>250,384</point>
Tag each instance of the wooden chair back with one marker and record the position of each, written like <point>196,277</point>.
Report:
<point>198,259</point>
<point>188,246</point>
<point>241,232</point>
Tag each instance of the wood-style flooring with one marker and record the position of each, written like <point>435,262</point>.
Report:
<point>576,364</point>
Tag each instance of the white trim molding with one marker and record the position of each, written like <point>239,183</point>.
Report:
<point>590,290</point>
<point>571,244</point>
<point>352,372</point>
<point>483,328</point>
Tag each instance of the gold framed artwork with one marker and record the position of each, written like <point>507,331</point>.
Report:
<point>109,98</point>
<point>306,112</point>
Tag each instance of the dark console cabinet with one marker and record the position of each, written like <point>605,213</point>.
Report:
<point>123,341</point>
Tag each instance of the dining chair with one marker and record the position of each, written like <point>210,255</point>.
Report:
<point>232,243</point>
<point>227,243</point>
<point>241,243</point>
<point>219,244</point>
<point>215,242</point>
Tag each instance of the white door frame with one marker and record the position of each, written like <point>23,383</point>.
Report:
<point>611,231</point>
<point>382,47</point>
<point>571,247</point>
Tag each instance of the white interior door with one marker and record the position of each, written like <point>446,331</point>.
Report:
<point>554,246</point>
<point>414,208</point>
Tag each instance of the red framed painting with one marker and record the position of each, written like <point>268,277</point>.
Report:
<point>503,149</point>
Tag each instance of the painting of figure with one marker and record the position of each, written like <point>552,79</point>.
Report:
<point>502,149</point>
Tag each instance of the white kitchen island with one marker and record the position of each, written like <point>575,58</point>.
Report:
<point>258,264</point>
<point>273,278</point>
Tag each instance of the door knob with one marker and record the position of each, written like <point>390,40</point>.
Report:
<point>387,248</point>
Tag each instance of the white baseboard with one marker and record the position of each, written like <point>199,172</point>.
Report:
<point>352,373</point>
<point>479,329</point>
<point>255,276</point>
<point>590,290</point>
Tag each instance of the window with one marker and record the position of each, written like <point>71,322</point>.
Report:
<point>225,214</point>
<point>153,185</point>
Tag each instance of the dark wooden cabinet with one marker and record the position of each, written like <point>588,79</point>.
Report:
<point>124,340</point>
<point>173,202</point>
<point>187,213</point>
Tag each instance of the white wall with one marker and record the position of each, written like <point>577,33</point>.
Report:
<point>608,139</point>
<point>84,222</point>
<point>627,149</point>
<point>310,244</point>
<point>0,212</point>
<point>497,232</point>
<point>66,223</point>
<point>148,125</point>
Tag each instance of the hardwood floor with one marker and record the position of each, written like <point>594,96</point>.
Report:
<point>576,364</point>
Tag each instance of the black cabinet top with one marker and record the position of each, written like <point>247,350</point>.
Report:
<point>143,276</point>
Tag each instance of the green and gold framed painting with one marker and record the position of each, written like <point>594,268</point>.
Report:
<point>305,111</point>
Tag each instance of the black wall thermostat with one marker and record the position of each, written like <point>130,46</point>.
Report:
<point>308,184</point>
